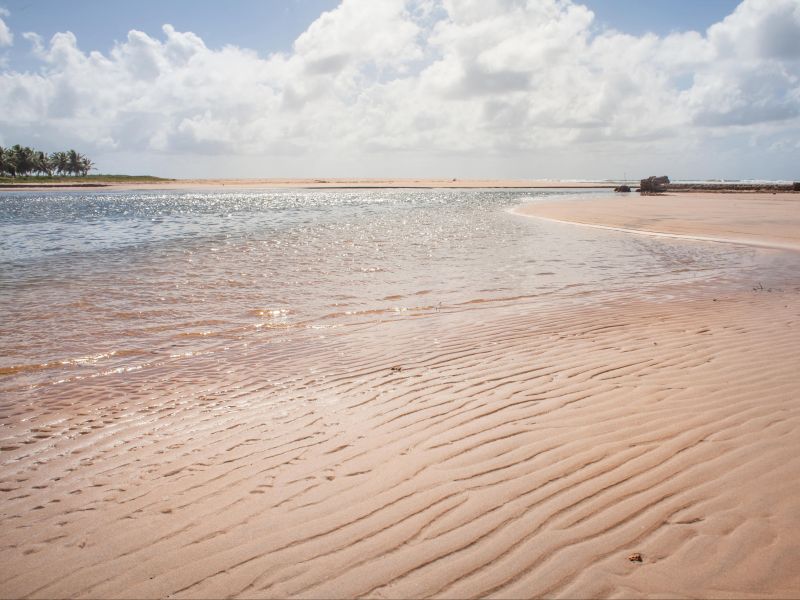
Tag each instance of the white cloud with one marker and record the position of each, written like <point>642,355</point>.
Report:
<point>359,33</point>
<point>6,37</point>
<point>370,82</point>
<point>759,29</point>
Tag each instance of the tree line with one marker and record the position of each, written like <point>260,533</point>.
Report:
<point>22,160</point>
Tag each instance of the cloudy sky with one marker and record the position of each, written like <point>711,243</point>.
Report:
<point>403,88</point>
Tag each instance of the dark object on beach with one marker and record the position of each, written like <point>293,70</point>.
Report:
<point>397,369</point>
<point>635,557</point>
<point>654,185</point>
<point>622,188</point>
<point>732,186</point>
<point>796,186</point>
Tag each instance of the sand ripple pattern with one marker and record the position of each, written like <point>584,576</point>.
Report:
<point>524,454</point>
<point>96,283</point>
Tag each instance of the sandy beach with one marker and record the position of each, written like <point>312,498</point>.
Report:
<point>328,183</point>
<point>400,299</point>
<point>768,220</point>
<point>619,449</point>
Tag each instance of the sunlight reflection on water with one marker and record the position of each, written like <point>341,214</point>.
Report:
<point>119,276</point>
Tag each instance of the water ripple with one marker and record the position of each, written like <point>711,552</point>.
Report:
<point>126,277</point>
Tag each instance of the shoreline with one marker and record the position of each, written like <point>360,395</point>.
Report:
<point>630,447</point>
<point>318,183</point>
<point>390,183</point>
<point>792,247</point>
<point>764,220</point>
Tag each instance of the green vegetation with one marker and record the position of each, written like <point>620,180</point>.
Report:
<point>21,164</point>
<point>88,179</point>
<point>22,161</point>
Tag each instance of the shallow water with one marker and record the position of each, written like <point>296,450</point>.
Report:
<point>96,282</point>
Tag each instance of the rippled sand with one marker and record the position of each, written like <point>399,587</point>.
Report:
<point>520,457</point>
<point>511,451</point>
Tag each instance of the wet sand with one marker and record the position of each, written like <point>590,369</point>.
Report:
<point>769,220</point>
<point>519,454</point>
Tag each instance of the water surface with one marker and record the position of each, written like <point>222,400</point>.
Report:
<point>97,281</point>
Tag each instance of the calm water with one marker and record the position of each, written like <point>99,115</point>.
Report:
<point>91,282</point>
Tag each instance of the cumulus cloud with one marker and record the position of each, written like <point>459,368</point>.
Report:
<point>505,78</point>
<point>6,37</point>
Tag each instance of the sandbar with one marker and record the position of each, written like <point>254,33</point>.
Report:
<point>320,183</point>
<point>769,220</point>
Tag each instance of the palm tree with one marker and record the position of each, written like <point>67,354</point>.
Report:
<point>52,162</point>
<point>42,164</point>
<point>6,164</point>
<point>60,162</point>
<point>86,165</point>
<point>73,162</point>
<point>22,158</point>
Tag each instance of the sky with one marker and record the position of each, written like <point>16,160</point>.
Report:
<point>563,89</point>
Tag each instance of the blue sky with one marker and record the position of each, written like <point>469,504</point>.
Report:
<point>263,25</point>
<point>272,25</point>
<point>660,16</point>
<point>491,88</point>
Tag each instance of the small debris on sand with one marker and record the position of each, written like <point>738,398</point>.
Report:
<point>635,557</point>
